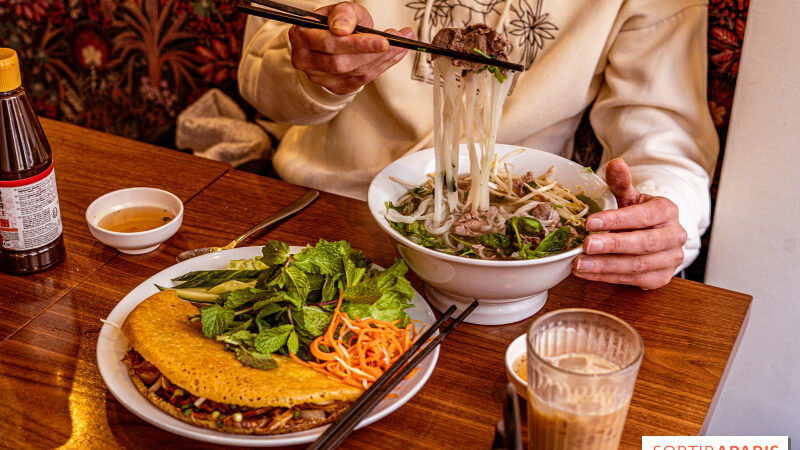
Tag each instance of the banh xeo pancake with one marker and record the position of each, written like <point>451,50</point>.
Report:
<point>175,366</point>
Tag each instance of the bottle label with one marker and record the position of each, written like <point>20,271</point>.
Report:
<point>29,213</point>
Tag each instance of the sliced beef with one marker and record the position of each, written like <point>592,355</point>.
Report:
<point>480,36</point>
<point>470,224</point>
<point>519,185</point>
<point>534,240</point>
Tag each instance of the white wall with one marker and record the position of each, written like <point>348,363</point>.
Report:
<point>755,242</point>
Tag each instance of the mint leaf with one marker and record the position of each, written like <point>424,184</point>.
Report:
<point>324,258</point>
<point>275,252</point>
<point>255,360</point>
<point>315,281</point>
<point>391,307</point>
<point>312,320</point>
<point>293,343</point>
<point>329,289</point>
<point>386,279</point>
<point>270,340</point>
<point>362,310</point>
<point>239,297</point>
<point>264,319</point>
<point>353,274</point>
<point>215,320</point>
<point>296,281</point>
<point>278,297</point>
<point>363,293</point>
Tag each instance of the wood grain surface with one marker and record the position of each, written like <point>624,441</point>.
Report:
<point>688,330</point>
<point>88,164</point>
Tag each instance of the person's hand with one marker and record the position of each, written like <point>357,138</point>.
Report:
<point>644,247</point>
<point>339,60</point>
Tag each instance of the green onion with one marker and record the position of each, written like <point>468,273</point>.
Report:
<point>219,423</point>
<point>237,417</point>
<point>296,414</point>
<point>187,411</point>
<point>188,405</point>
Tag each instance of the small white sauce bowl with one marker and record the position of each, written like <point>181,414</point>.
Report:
<point>514,352</point>
<point>142,241</point>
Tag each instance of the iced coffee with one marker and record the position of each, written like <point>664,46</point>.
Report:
<point>582,367</point>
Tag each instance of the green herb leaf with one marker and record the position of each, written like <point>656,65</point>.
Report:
<point>215,320</point>
<point>593,206</point>
<point>519,225</point>
<point>293,343</point>
<point>496,241</point>
<point>324,258</point>
<point>296,281</point>
<point>554,241</point>
<point>270,340</point>
<point>363,293</point>
<point>329,289</point>
<point>312,320</point>
<point>239,297</point>
<point>275,253</point>
<point>255,359</point>
<point>353,274</point>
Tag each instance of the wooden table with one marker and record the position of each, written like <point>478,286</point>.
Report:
<point>51,393</point>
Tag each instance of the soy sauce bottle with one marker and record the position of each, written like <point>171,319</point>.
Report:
<point>30,218</point>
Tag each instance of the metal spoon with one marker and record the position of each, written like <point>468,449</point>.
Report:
<point>296,206</point>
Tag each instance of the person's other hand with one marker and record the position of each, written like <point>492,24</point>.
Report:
<point>339,60</point>
<point>644,246</point>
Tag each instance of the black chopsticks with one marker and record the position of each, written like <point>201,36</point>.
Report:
<point>308,19</point>
<point>342,427</point>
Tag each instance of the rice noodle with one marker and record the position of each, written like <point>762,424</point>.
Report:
<point>468,105</point>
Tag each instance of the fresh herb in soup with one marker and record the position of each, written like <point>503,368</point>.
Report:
<point>528,217</point>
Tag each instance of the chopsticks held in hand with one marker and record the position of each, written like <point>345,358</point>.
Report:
<point>339,429</point>
<point>296,16</point>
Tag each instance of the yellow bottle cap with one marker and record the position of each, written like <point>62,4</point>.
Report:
<point>9,70</point>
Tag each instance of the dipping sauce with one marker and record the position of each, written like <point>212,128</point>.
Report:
<point>135,219</point>
<point>521,367</point>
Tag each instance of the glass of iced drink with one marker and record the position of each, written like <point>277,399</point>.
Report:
<point>582,366</point>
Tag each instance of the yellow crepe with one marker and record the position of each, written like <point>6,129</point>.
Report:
<point>159,330</point>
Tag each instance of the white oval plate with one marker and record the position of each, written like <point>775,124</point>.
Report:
<point>112,346</point>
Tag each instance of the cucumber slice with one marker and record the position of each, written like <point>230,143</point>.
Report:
<point>231,285</point>
<point>194,295</point>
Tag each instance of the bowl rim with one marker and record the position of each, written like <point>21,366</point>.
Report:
<point>384,223</point>
<point>178,216</point>
<point>509,363</point>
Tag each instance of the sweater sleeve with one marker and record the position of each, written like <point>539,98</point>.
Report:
<point>652,112</point>
<point>269,82</point>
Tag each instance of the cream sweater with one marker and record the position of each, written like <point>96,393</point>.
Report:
<point>642,63</point>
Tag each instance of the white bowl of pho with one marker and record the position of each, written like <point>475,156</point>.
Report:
<point>507,255</point>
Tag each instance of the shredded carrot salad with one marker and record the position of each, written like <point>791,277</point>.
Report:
<point>362,348</point>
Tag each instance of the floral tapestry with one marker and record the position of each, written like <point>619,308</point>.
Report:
<point>127,67</point>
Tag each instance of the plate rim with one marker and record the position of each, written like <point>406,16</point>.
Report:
<point>109,334</point>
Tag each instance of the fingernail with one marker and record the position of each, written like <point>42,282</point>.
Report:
<point>340,24</point>
<point>379,45</point>
<point>595,245</point>
<point>584,264</point>
<point>594,223</point>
